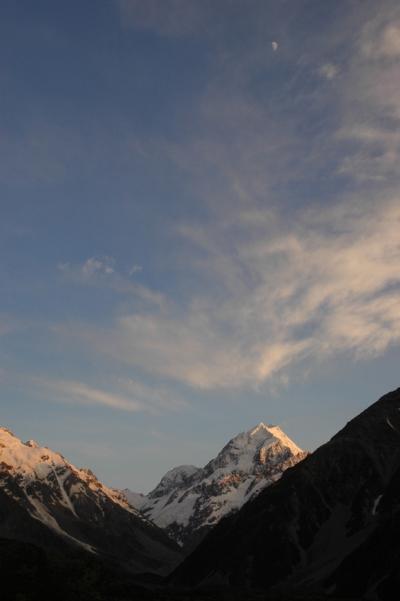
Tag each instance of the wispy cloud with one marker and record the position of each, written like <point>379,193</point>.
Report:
<point>370,100</point>
<point>381,36</point>
<point>77,392</point>
<point>103,272</point>
<point>94,266</point>
<point>280,279</point>
<point>329,283</point>
<point>329,71</point>
<point>134,396</point>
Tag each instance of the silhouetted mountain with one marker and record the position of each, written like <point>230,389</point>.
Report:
<point>189,500</point>
<point>331,523</point>
<point>47,501</point>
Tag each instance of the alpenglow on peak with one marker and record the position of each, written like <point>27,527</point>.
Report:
<point>188,501</point>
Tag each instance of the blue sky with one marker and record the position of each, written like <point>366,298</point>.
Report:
<point>199,223</point>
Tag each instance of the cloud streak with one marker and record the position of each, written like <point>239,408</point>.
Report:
<point>78,392</point>
<point>134,396</point>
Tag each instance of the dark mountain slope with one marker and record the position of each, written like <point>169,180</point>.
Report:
<point>337,503</point>
<point>28,573</point>
<point>374,567</point>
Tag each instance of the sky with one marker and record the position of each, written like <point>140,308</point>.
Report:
<point>200,223</point>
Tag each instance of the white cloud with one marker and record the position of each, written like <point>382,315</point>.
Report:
<point>102,272</point>
<point>275,46</point>
<point>381,38</point>
<point>328,284</point>
<point>93,266</point>
<point>329,71</point>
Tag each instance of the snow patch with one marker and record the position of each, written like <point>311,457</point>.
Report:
<point>389,423</point>
<point>376,503</point>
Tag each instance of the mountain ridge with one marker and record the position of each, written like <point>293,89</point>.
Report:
<point>44,497</point>
<point>318,526</point>
<point>189,500</point>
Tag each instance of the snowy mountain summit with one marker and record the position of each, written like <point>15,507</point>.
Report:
<point>188,501</point>
<point>46,500</point>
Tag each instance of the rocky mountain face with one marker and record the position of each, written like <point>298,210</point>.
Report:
<point>46,500</point>
<point>189,501</point>
<point>330,524</point>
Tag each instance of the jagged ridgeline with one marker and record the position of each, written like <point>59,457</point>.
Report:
<point>46,500</point>
<point>330,525</point>
<point>189,501</point>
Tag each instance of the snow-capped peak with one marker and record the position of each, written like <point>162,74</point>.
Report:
<point>27,459</point>
<point>248,450</point>
<point>284,439</point>
<point>259,428</point>
<point>50,492</point>
<point>272,433</point>
<point>189,500</point>
<point>29,463</point>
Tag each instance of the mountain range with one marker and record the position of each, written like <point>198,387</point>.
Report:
<point>330,525</point>
<point>271,522</point>
<point>189,501</point>
<point>46,499</point>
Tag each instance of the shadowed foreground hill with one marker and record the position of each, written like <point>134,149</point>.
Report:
<point>28,573</point>
<point>332,523</point>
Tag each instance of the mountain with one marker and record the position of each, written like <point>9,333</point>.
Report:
<point>330,524</point>
<point>45,500</point>
<point>189,500</point>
